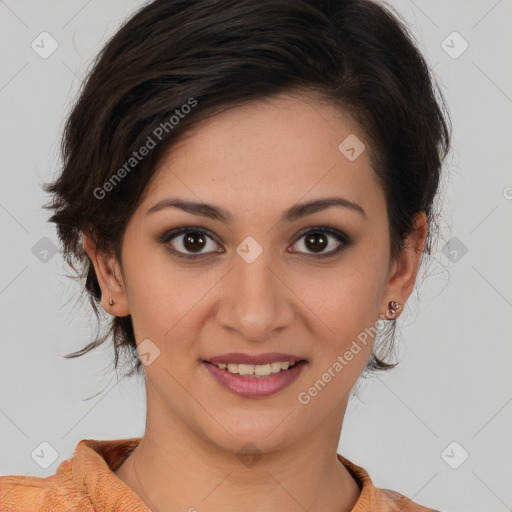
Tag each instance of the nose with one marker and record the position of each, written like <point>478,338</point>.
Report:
<point>255,300</point>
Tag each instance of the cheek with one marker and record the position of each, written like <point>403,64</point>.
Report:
<point>149,288</point>
<point>170,301</point>
<point>355,286</point>
<point>347,308</point>
<point>167,302</point>
<point>348,299</point>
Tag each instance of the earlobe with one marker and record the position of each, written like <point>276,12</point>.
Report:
<point>393,310</point>
<point>110,280</point>
<point>405,267</point>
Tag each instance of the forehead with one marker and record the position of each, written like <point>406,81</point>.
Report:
<point>267,152</point>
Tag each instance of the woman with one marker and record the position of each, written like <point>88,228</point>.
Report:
<point>248,189</point>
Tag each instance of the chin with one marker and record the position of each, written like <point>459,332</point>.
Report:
<point>257,432</point>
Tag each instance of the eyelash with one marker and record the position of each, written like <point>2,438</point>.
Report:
<point>196,230</point>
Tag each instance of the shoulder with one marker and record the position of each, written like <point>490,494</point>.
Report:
<point>403,504</point>
<point>32,493</point>
<point>84,482</point>
<point>18,492</point>
<point>374,498</point>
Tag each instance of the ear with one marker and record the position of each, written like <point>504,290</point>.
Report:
<point>110,279</point>
<point>404,268</point>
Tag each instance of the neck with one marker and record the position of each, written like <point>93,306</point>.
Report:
<point>173,469</point>
<point>267,491</point>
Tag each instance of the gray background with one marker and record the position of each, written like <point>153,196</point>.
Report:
<point>454,380</point>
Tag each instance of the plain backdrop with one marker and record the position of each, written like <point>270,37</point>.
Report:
<point>436,429</point>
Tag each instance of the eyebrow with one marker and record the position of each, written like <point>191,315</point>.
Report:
<point>217,213</point>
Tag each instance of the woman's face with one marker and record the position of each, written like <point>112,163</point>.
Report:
<point>263,280</point>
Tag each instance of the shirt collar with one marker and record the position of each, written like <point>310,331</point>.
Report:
<point>93,466</point>
<point>94,462</point>
<point>368,497</point>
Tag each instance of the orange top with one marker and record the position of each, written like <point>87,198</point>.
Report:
<point>86,483</point>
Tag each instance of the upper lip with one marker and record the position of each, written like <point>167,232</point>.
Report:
<point>242,358</point>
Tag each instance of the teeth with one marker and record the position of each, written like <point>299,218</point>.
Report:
<point>275,367</point>
<point>255,369</point>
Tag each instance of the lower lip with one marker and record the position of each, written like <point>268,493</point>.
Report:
<point>255,387</point>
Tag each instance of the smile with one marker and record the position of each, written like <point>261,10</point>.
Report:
<point>255,381</point>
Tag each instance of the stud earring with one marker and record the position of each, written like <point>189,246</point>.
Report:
<point>394,306</point>
<point>111,301</point>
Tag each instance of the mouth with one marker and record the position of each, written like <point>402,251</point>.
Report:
<point>256,370</point>
<point>255,376</point>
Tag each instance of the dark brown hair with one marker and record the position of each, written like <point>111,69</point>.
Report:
<point>177,62</point>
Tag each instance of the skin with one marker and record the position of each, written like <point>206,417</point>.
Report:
<point>256,161</point>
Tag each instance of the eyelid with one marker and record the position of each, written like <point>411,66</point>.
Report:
<point>342,238</point>
<point>176,232</point>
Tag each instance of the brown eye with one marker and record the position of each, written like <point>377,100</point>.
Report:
<point>194,242</point>
<point>318,239</point>
<point>189,242</point>
<point>316,242</point>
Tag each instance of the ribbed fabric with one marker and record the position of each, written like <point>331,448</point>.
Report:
<point>86,483</point>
